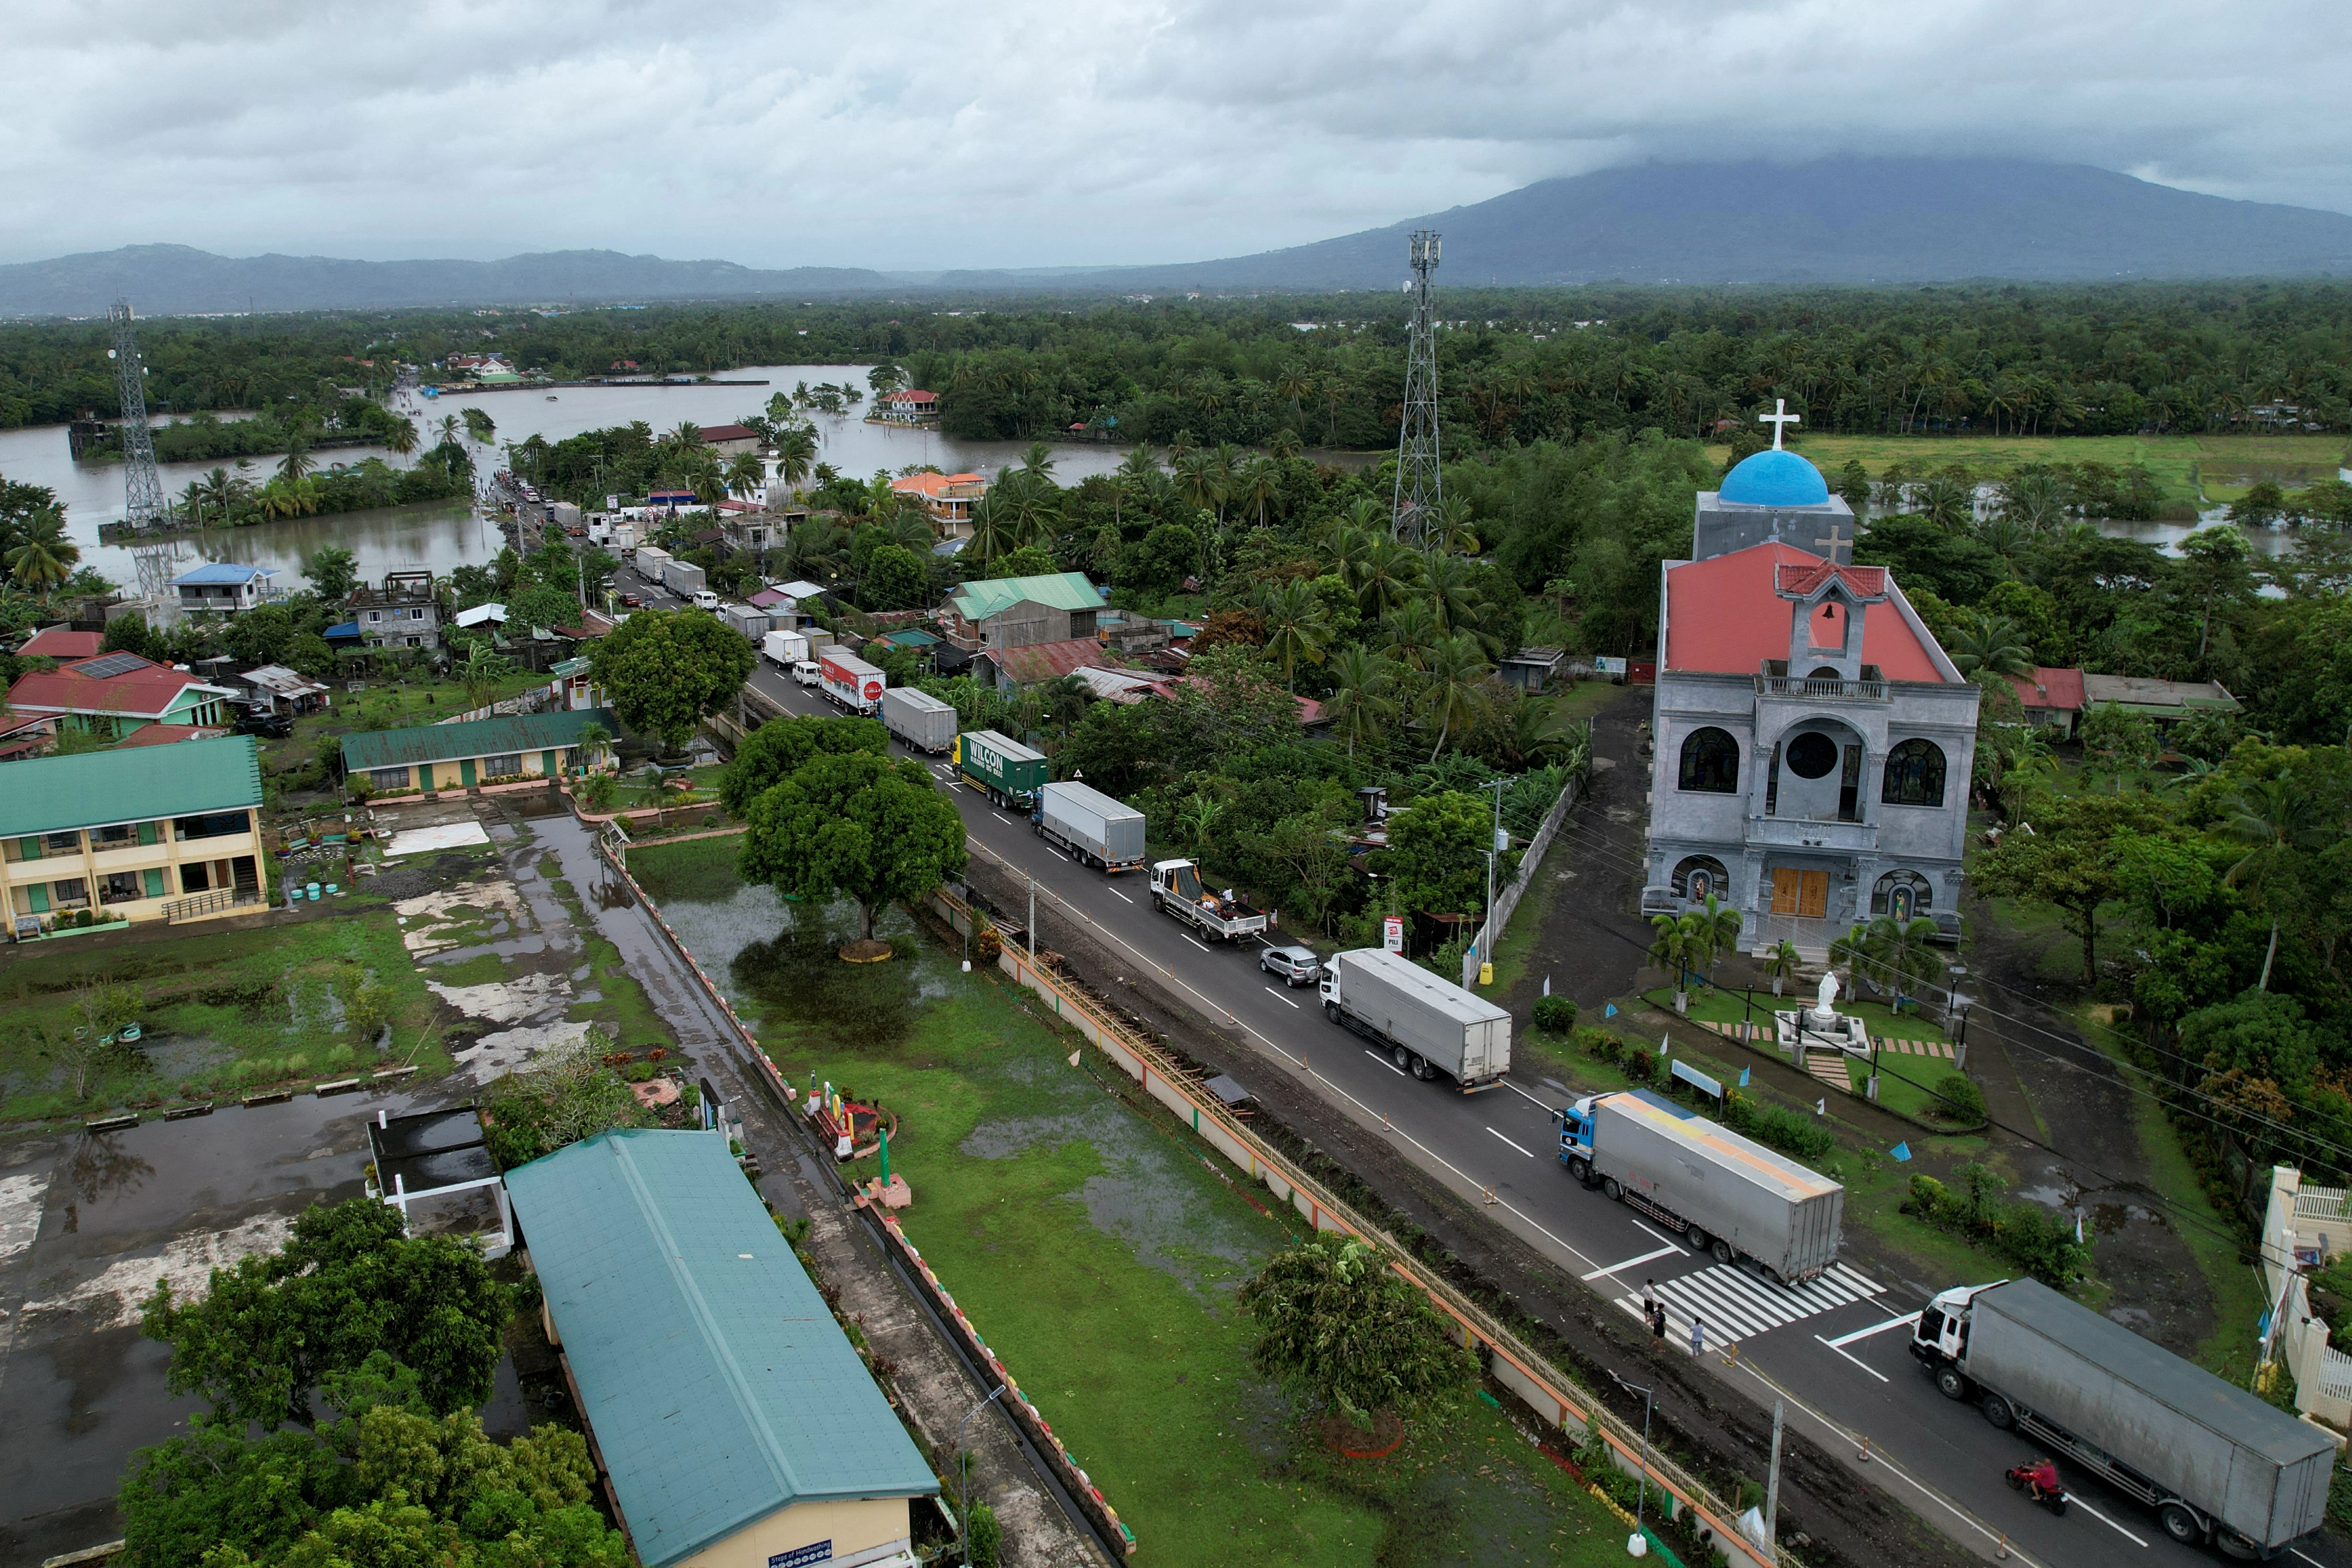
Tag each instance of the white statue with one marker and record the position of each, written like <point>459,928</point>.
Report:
<point>1825,1000</point>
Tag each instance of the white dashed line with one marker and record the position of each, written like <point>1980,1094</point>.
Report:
<point>1522,1148</point>
<point>1384,1061</point>
<point>1122,897</point>
<point>1280,997</point>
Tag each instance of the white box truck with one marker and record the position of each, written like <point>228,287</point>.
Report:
<point>783,649</point>
<point>649,560</point>
<point>853,683</point>
<point>1427,1025</point>
<point>1725,1193</point>
<point>918,718</point>
<point>683,578</point>
<point>1090,824</point>
<point>1176,891</point>
<point>2214,1462</point>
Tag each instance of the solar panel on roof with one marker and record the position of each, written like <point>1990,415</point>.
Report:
<point>111,664</point>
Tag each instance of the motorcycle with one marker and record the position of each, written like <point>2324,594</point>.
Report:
<point>2053,1500</point>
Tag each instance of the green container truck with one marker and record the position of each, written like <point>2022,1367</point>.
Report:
<point>1004,770</point>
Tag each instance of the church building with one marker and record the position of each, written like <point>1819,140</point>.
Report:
<point>1813,744</point>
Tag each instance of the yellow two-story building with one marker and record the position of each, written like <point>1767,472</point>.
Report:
<point>169,833</point>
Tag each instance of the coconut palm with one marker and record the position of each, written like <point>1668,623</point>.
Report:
<point>1283,445</point>
<point>686,435</point>
<point>1453,534</point>
<point>1297,628</point>
<point>43,558</point>
<point>1255,483</point>
<point>1037,464</point>
<point>1989,649</point>
<point>295,464</point>
<point>1453,695</point>
<point>796,449</point>
<point>1780,964</point>
<point>400,437</point>
<point>1389,576</point>
<point>991,531</point>
<point>1410,632</point>
<point>1675,952</point>
<point>1900,956</point>
<point>1716,929</point>
<point>746,474</point>
<point>2276,823</point>
<point>1363,703</point>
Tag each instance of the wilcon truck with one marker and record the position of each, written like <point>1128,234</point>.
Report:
<point>1090,824</point>
<point>853,683</point>
<point>1004,770</point>
<point>1176,889</point>
<point>920,719</point>
<point>2215,1463</point>
<point>1725,1194</point>
<point>783,649</point>
<point>1428,1026</point>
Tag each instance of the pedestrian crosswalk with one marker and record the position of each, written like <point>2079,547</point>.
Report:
<point>1736,1304</point>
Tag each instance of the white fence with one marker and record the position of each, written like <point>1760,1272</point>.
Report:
<point>2303,1227</point>
<point>1498,919</point>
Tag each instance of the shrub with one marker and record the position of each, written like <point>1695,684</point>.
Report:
<point>1963,1100</point>
<point>2024,1233</point>
<point>1556,1016</point>
<point>1787,1131</point>
<point>1639,1066</point>
<point>1599,1044</point>
<point>987,1537</point>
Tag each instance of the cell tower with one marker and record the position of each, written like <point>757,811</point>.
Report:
<point>1417,481</point>
<point>142,489</point>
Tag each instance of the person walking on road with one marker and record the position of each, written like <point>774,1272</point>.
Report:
<point>1699,1335</point>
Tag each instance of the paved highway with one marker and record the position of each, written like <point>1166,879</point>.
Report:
<point>1833,1349</point>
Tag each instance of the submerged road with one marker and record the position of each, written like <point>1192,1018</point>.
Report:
<point>1833,1349</point>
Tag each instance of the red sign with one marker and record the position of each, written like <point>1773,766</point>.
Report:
<point>1392,933</point>
<point>873,692</point>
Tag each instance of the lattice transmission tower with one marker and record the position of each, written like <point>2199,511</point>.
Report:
<point>1417,477</point>
<point>142,488</point>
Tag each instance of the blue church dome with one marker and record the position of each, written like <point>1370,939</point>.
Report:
<point>1775,478</point>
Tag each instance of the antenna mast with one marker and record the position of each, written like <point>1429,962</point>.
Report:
<point>1417,477</point>
<point>142,488</point>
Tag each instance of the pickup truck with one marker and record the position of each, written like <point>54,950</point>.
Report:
<point>1176,891</point>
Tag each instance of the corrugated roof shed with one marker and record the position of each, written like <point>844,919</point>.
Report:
<point>1047,661</point>
<point>474,738</point>
<point>1057,590</point>
<point>716,1382</point>
<point>98,789</point>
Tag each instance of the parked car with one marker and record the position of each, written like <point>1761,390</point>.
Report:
<point>276,726</point>
<point>631,602</point>
<point>1297,966</point>
<point>807,672</point>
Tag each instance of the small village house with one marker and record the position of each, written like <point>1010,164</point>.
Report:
<point>432,757</point>
<point>1013,612</point>
<point>947,499</point>
<point>911,405</point>
<point>224,588</point>
<point>142,833</point>
<point>401,612</point>
<point>117,693</point>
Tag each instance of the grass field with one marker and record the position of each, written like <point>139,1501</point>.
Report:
<point>1099,1252</point>
<point>2223,464</point>
<point>227,1012</point>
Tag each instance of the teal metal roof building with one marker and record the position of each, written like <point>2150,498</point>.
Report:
<point>94,789</point>
<point>1056,590</point>
<point>738,1424</point>
<point>524,733</point>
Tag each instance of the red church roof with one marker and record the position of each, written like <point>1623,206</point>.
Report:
<point>1725,614</point>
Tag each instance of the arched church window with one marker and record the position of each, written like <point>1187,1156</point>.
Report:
<point>1710,763</point>
<point>1698,876</point>
<point>1915,775</point>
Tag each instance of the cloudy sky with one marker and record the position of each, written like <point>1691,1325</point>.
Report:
<point>1043,133</point>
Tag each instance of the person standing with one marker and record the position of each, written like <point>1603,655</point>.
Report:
<point>1699,1335</point>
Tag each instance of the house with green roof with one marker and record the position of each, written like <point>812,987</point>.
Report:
<point>736,1422</point>
<point>478,751</point>
<point>1014,612</point>
<point>144,833</point>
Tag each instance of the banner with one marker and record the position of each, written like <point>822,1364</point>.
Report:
<point>1392,933</point>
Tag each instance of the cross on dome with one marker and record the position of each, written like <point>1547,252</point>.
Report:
<point>1780,419</point>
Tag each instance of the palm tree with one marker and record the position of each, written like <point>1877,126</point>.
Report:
<point>796,453</point>
<point>1283,445</point>
<point>1363,703</point>
<point>688,435</point>
<point>481,673</point>
<point>1037,463</point>
<point>447,426</point>
<point>1453,534</point>
<point>2276,822</point>
<point>1390,575</point>
<point>400,438</point>
<point>1196,820</point>
<point>1255,484</point>
<point>1410,633</point>
<point>1675,951</point>
<point>1989,649</point>
<point>295,464</point>
<point>1716,929</point>
<point>1297,628</point>
<point>745,475</point>
<point>1948,503</point>
<point>1780,964</point>
<point>992,533</point>
<point>44,558</point>
<point>1901,954</point>
<point>1453,694</point>
<point>591,743</point>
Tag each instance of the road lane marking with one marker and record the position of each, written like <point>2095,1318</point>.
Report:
<point>1122,897</point>
<point>2074,1501</point>
<point>1198,943</point>
<point>1865,1366</point>
<point>1384,1061</point>
<point>1910,1322</point>
<point>1645,1258</point>
<point>1646,1230</point>
<point>1551,1110</point>
<point>1522,1148</point>
<point>1280,997</point>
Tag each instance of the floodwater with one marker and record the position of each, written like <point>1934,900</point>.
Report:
<point>442,537</point>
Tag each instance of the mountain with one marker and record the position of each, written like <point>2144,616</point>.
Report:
<point>175,279</point>
<point>1838,220</point>
<point>1843,220</point>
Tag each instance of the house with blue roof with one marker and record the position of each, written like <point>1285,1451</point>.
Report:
<point>736,1425</point>
<point>226,587</point>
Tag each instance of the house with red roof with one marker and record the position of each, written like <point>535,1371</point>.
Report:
<point>947,498</point>
<point>116,693</point>
<point>2053,697</point>
<point>62,643</point>
<point>911,406</point>
<point>1813,742</point>
<point>730,440</point>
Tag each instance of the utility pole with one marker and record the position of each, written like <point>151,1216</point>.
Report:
<point>1033,919</point>
<point>1772,1481</point>
<point>1499,843</point>
<point>1418,480</point>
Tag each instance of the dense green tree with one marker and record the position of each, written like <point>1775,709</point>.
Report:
<point>855,824</point>
<point>895,580</point>
<point>1437,853</point>
<point>2073,860</point>
<point>334,571</point>
<point>776,748</point>
<point>669,670</point>
<point>1338,1327</point>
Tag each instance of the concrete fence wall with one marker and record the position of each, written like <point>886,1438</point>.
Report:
<point>1498,919</point>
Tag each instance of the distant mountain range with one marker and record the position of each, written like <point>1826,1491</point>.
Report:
<point>1844,220</point>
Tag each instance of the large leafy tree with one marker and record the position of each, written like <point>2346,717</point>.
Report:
<point>334,571</point>
<point>771,752</point>
<point>347,1284</point>
<point>1437,853</point>
<point>2074,859</point>
<point>855,824</point>
<point>1336,1325</point>
<point>668,671</point>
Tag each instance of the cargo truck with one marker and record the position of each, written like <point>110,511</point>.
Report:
<point>783,649</point>
<point>684,578</point>
<point>1725,1194</point>
<point>853,683</point>
<point>1090,824</point>
<point>2215,1463</point>
<point>918,718</point>
<point>1176,889</point>
<point>1002,769</point>
<point>1426,1025</point>
<point>649,560</point>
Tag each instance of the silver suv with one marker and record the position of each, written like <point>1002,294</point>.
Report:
<point>1297,966</point>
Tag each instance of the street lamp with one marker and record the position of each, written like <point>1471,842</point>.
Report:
<point>963,1464</point>
<point>1635,1544</point>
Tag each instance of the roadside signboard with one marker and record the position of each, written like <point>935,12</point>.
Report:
<point>1392,933</point>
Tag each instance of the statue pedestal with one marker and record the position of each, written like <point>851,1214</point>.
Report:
<point>1799,1031</point>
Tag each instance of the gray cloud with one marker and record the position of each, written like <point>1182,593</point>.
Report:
<point>1037,132</point>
